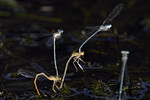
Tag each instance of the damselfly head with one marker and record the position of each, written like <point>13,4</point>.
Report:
<point>125,52</point>
<point>60,31</point>
<point>57,35</point>
<point>105,27</point>
<point>82,53</point>
<point>124,55</point>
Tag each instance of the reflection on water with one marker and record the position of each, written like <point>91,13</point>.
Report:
<point>81,36</point>
<point>136,91</point>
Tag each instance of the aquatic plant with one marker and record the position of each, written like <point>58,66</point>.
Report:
<point>124,61</point>
<point>100,88</point>
<point>66,90</point>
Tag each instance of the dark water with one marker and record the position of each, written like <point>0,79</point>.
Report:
<point>21,20</point>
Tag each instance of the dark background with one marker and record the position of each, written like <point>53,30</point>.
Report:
<point>20,19</point>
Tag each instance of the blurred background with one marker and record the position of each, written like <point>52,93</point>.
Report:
<point>21,21</point>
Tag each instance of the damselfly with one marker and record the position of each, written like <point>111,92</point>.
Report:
<point>42,75</point>
<point>124,61</point>
<point>50,39</point>
<point>105,26</point>
<point>47,37</point>
<point>76,56</point>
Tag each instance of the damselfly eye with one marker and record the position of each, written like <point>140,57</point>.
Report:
<point>59,30</point>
